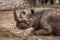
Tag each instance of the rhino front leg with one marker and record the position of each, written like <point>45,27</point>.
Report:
<point>45,29</point>
<point>41,32</point>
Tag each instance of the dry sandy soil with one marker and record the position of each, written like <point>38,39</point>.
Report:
<point>9,31</point>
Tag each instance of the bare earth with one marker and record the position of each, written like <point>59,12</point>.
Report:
<point>8,30</point>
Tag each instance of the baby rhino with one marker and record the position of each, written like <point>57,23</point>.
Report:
<point>44,21</point>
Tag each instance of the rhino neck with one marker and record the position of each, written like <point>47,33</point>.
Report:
<point>16,17</point>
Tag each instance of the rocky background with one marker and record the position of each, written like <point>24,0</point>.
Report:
<point>22,4</point>
<point>11,4</point>
<point>8,29</point>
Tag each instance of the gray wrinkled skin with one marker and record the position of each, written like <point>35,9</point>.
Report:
<point>44,22</point>
<point>50,23</point>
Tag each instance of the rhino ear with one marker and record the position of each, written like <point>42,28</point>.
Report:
<point>32,11</point>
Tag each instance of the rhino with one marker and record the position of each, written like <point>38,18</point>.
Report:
<point>44,22</point>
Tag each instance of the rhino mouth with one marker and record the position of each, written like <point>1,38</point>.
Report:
<point>23,24</point>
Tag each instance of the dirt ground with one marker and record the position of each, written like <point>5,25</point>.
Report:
<point>9,31</point>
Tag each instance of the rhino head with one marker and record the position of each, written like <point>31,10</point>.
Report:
<point>25,19</point>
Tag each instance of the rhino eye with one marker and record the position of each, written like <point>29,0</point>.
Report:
<point>23,12</point>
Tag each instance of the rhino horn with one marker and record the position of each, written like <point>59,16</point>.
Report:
<point>16,17</point>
